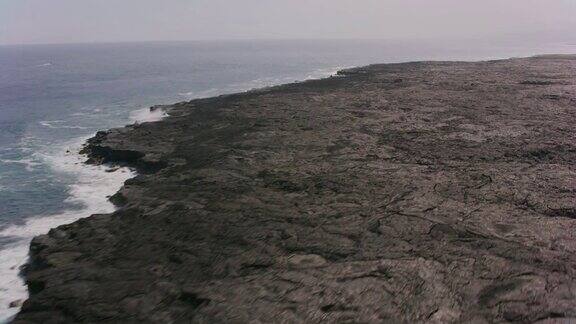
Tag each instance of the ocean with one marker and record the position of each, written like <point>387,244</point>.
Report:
<point>54,97</point>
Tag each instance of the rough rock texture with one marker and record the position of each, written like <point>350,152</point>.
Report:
<point>419,192</point>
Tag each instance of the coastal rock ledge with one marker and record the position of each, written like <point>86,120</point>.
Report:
<point>404,193</point>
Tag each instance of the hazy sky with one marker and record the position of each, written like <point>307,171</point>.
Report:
<point>68,21</point>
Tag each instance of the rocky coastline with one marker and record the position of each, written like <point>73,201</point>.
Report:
<point>416,192</point>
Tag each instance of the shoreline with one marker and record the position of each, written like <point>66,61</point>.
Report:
<point>69,161</point>
<point>16,294</point>
<point>156,151</point>
<point>90,178</point>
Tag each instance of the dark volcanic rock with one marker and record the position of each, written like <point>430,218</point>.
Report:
<point>418,192</point>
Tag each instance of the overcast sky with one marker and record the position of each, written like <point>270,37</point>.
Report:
<point>71,21</point>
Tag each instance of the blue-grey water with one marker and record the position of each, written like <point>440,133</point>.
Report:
<point>52,97</point>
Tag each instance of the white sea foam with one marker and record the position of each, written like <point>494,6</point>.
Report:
<point>260,83</point>
<point>90,191</point>
<point>57,124</point>
<point>325,73</point>
<point>29,164</point>
<point>147,115</point>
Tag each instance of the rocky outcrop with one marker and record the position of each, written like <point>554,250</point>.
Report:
<point>419,192</point>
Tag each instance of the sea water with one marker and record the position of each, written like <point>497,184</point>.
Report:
<point>54,97</point>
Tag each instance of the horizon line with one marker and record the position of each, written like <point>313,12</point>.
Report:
<point>267,39</point>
